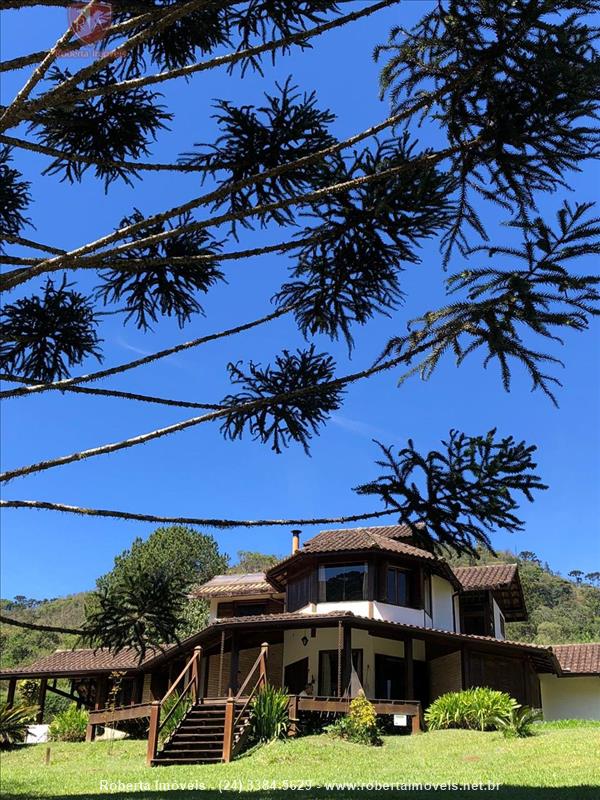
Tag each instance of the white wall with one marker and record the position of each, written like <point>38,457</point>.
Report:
<point>570,698</point>
<point>327,639</point>
<point>498,616</point>
<point>442,603</point>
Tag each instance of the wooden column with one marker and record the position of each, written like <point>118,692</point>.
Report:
<point>228,729</point>
<point>221,658</point>
<point>41,700</point>
<point>153,733</point>
<point>293,715</point>
<point>409,670</point>
<point>234,664</point>
<point>10,697</point>
<point>346,659</point>
<point>197,693</point>
<point>264,663</point>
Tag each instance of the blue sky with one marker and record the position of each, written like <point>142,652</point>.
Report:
<point>197,473</point>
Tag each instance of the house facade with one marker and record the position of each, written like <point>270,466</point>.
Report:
<point>368,609</point>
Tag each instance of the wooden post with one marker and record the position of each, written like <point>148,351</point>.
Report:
<point>41,700</point>
<point>409,670</point>
<point>264,652</point>
<point>234,662</point>
<point>221,658</point>
<point>10,697</point>
<point>415,721</point>
<point>153,733</point>
<point>228,729</point>
<point>196,673</point>
<point>90,732</point>
<point>293,715</point>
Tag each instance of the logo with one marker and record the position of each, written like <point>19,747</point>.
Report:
<point>90,25</point>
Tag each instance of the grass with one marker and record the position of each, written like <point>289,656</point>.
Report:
<point>558,763</point>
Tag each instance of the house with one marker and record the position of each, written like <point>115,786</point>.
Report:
<point>366,608</point>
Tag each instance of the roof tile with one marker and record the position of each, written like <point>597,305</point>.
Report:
<point>580,659</point>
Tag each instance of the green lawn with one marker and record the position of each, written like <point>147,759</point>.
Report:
<point>559,763</point>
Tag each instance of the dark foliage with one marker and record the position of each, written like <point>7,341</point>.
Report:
<point>138,610</point>
<point>461,493</point>
<point>167,289</point>
<point>42,336</point>
<point>351,272</point>
<point>258,21</point>
<point>287,128</point>
<point>14,198</point>
<point>295,419</point>
<point>175,45</point>
<point>105,128</point>
<point>536,294</point>
<point>522,79</point>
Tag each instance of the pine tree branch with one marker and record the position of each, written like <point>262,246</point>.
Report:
<point>33,626</point>
<point>254,405</point>
<point>59,92</point>
<point>33,58</point>
<point>52,265</point>
<point>51,98</point>
<point>8,237</point>
<point>205,522</point>
<point>133,165</point>
<point>105,373</point>
<point>12,111</point>
<point>144,398</point>
<point>12,279</point>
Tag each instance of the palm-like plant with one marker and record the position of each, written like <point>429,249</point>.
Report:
<point>270,714</point>
<point>14,722</point>
<point>519,722</point>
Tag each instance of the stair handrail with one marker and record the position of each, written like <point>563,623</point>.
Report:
<point>261,665</point>
<point>156,725</point>
<point>231,719</point>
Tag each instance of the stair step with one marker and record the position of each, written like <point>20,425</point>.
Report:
<point>157,762</point>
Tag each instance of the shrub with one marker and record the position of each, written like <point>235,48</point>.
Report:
<point>476,709</point>
<point>270,718</point>
<point>14,722</point>
<point>519,722</point>
<point>360,724</point>
<point>69,725</point>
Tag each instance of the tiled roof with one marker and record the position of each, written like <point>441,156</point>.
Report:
<point>391,531</point>
<point>70,662</point>
<point>362,539</point>
<point>243,584</point>
<point>578,659</point>
<point>490,576</point>
<point>542,654</point>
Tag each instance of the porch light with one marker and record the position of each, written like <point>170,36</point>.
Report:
<point>304,640</point>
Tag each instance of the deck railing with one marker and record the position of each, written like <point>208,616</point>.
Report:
<point>256,679</point>
<point>186,689</point>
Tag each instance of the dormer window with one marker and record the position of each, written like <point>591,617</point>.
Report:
<point>342,582</point>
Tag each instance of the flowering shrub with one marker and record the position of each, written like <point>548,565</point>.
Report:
<point>360,724</point>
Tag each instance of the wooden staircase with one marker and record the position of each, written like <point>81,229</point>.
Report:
<point>211,730</point>
<point>200,736</point>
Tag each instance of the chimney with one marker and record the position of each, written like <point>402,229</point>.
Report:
<point>295,541</point>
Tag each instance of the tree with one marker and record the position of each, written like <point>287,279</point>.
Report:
<point>576,574</point>
<point>513,89</point>
<point>250,561</point>
<point>145,597</point>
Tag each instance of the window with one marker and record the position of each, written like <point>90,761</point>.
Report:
<point>328,671</point>
<point>427,593</point>
<point>250,609</point>
<point>397,585</point>
<point>342,582</point>
<point>502,628</point>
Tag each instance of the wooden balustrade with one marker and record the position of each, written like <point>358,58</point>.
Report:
<point>187,690</point>
<point>259,674</point>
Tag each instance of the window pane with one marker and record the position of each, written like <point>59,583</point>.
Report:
<point>339,583</point>
<point>397,586</point>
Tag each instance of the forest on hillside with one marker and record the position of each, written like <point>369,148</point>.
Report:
<point>561,610</point>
